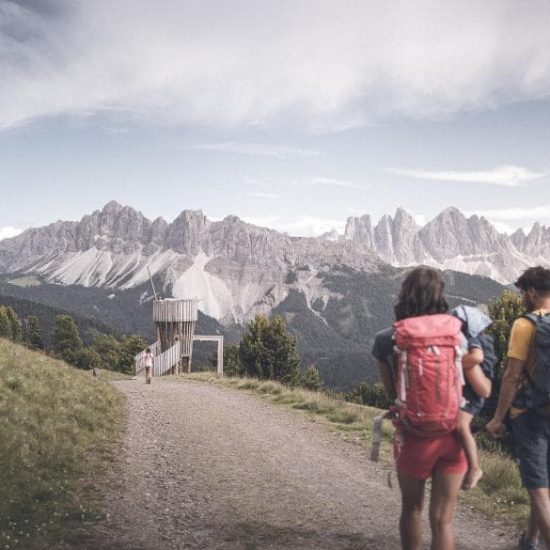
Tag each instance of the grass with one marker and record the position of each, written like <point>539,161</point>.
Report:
<point>57,425</point>
<point>499,494</point>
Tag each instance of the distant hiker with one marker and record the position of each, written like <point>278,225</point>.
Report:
<point>425,365</point>
<point>525,392</point>
<point>147,362</point>
<point>478,365</point>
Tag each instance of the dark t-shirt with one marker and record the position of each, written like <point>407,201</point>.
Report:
<point>383,344</point>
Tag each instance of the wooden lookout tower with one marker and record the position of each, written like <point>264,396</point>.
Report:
<point>175,322</point>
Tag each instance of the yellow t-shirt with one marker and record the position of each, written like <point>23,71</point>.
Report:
<point>522,338</point>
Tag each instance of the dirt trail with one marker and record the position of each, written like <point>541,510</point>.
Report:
<point>207,467</point>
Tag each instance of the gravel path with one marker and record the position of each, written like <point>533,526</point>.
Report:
<point>208,467</point>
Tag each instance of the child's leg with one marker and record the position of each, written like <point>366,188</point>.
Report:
<point>470,448</point>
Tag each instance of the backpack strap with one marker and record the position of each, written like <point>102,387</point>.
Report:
<point>533,317</point>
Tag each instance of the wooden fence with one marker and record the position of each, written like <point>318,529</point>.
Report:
<point>166,360</point>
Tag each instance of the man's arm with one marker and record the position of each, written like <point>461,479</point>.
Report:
<point>511,381</point>
<point>387,380</point>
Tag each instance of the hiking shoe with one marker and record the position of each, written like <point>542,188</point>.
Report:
<point>524,544</point>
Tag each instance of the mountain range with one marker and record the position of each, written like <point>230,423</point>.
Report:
<point>335,291</point>
<point>238,269</point>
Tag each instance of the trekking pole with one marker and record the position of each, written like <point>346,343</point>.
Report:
<point>376,438</point>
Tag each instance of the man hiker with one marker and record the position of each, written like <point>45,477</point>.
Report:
<point>525,393</point>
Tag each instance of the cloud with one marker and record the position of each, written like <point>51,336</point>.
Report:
<point>502,227</point>
<point>302,226</point>
<point>506,175</point>
<point>9,231</point>
<point>114,130</point>
<point>322,65</point>
<point>420,219</point>
<point>261,195</point>
<point>337,183</point>
<point>516,213</point>
<point>254,149</point>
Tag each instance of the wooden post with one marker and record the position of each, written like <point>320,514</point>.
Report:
<point>220,356</point>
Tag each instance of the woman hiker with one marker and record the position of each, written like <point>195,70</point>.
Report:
<point>425,341</point>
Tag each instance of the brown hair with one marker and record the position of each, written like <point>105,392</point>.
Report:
<point>421,294</point>
<point>537,278</point>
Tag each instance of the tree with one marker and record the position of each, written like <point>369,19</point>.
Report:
<point>268,351</point>
<point>130,346</point>
<point>85,358</point>
<point>311,379</point>
<point>231,361</point>
<point>15,324</point>
<point>65,337</point>
<point>5,325</point>
<point>33,336</point>
<point>503,312</point>
<point>108,349</point>
<point>10,325</point>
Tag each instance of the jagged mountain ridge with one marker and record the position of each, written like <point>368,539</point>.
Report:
<point>238,269</point>
<point>451,241</point>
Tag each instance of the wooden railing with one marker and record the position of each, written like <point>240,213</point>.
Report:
<point>162,361</point>
<point>166,360</point>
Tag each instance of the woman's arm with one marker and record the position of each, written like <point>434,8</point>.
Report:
<point>387,380</point>
<point>479,382</point>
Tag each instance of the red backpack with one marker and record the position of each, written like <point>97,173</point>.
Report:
<point>429,374</point>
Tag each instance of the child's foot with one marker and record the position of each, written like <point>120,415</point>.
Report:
<point>472,478</point>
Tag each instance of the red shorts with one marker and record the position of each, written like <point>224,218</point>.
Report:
<point>421,457</point>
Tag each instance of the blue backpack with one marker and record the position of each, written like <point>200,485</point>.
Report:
<point>536,393</point>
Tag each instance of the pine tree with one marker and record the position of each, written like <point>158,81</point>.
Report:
<point>268,351</point>
<point>231,361</point>
<point>33,336</point>
<point>130,346</point>
<point>108,349</point>
<point>15,323</point>
<point>5,325</point>
<point>65,337</point>
<point>311,379</point>
<point>85,358</point>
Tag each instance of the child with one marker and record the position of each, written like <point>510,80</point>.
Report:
<point>478,366</point>
<point>147,362</point>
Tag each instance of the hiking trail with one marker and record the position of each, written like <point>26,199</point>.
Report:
<point>209,467</point>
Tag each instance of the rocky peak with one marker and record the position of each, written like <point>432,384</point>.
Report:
<point>383,239</point>
<point>359,231</point>
<point>112,208</point>
<point>518,239</point>
<point>187,232</point>
<point>404,230</point>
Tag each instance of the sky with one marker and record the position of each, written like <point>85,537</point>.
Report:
<point>290,114</point>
